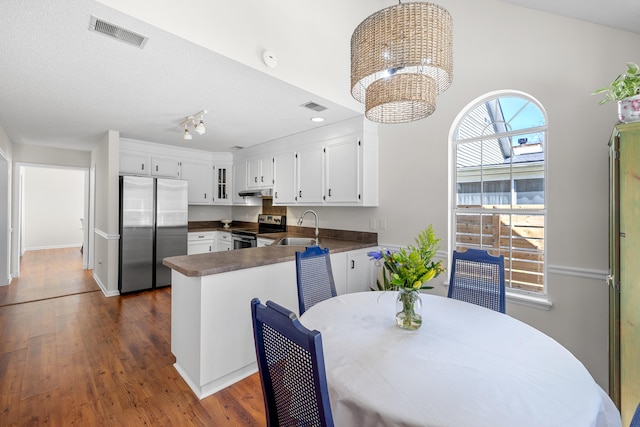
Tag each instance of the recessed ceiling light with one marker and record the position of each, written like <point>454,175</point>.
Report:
<point>317,119</point>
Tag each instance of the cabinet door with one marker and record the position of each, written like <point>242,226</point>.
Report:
<point>199,247</point>
<point>200,177</point>
<point>343,171</point>
<point>267,172</point>
<point>224,241</point>
<point>254,174</point>
<point>310,175</point>
<point>360,272</point>
<point>222,185</point>
<point>284,186</point>
<point>163,166</point>
<point>134,163</point>
<point>262,242</point>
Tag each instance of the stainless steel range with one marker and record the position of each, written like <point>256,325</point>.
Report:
<point>266,224</point>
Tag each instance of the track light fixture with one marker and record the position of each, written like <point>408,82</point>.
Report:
<point>197,121</point>
<point>186,136</point>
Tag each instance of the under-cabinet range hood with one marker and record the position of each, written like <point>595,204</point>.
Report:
<point>267,192</point>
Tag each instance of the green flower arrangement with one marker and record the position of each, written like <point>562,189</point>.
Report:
<point>410,268</point>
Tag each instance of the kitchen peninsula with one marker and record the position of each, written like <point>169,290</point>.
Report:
<point>211,331</point>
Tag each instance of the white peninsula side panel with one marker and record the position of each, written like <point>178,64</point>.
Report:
<point>211,330</point>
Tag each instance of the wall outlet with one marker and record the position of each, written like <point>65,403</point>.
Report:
<point>383,224</point>
<point>372,224</point>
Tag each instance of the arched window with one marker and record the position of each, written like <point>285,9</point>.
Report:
<point>499,180</point>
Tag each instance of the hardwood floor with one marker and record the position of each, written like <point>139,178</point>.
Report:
<point>87,360</point>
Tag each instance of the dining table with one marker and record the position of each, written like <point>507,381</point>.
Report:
<point>466,366</point>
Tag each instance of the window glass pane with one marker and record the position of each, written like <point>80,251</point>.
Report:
<point>500,172</point>
<point>529,192</point>
<point>496,193</point>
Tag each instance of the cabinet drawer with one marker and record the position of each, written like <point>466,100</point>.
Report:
<point>205,235</point>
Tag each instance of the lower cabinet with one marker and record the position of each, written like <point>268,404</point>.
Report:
<point>261,242</point>
<point>224,242</point>
<point>200,243</point>
<point>353,271</point>
<point>360,271</point>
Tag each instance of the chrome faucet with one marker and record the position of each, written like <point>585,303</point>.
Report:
<point>314,214</point>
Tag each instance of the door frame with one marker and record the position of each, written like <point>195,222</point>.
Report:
<point>18,249</point>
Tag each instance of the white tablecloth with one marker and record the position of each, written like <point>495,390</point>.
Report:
<point>466,366</point>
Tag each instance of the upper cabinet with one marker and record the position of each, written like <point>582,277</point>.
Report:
<point>208,174</point>
<point>199,174</point>
<point>222,183</point>
<point>135,163</point>
<point>285,190</point>
<point>310,175</point>
<point>337,166</point>
<point>165,167</point>
<point>342,171</point>
<point>260,173</point>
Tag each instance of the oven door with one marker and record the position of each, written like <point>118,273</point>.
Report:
<point>242,241</point>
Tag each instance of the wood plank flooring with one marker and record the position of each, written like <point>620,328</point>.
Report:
<point>83,359</point>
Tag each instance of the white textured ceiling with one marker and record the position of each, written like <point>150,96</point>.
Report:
<point>64,86</point>
<point>620,14</point>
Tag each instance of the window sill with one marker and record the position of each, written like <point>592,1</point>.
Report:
<point>539,302</point>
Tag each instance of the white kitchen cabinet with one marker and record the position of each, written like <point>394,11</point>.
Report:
<point>342,171</point>
<point>224,242</point>
<point>165,166</point>
<point>284,187</point>
<point>222,184</point>
<point>132,162</point>
<point>260,173</point>
<point>360,271</point>
<point>200,177</point>
<point>261,242</point>
<point>201,242</point>
<point>310,174</point>
<point>240,184</point>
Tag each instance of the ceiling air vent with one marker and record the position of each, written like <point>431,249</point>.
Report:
<point>116,32</point>
<point>313,106</point>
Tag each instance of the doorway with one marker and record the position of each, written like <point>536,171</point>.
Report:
<point>51,227</point>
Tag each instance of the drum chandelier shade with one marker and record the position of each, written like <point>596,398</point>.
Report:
<point>401,58</point>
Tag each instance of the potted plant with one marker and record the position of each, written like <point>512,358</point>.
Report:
<point>407,271</point>
<point>625,89</point>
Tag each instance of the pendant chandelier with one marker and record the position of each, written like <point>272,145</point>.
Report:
<point>401,58</point>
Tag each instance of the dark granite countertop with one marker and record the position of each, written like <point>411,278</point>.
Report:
<point>225,261</point>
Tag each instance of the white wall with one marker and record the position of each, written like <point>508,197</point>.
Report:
<point>104,161</point>
<point>497,46</point>
<point>5,208</point>
<point>54,201</point>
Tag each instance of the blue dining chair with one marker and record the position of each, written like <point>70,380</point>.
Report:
<point>291,366</point>
<point>478,277</point>
<point>635,421</point>
<point>314,277</point>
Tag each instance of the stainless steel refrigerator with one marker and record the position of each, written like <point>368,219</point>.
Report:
<point>153,226</point>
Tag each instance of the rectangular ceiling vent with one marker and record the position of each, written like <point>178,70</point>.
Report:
<point>103,27</point>
<point>313,106</point>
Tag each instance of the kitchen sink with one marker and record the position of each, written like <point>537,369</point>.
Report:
<point>297,241</point>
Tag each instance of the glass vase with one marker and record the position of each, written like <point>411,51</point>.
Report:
<point>408,309</point>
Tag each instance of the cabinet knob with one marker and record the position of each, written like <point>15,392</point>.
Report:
<point>353,264</point>
<point>142,166</point>
<point>300,193</point>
